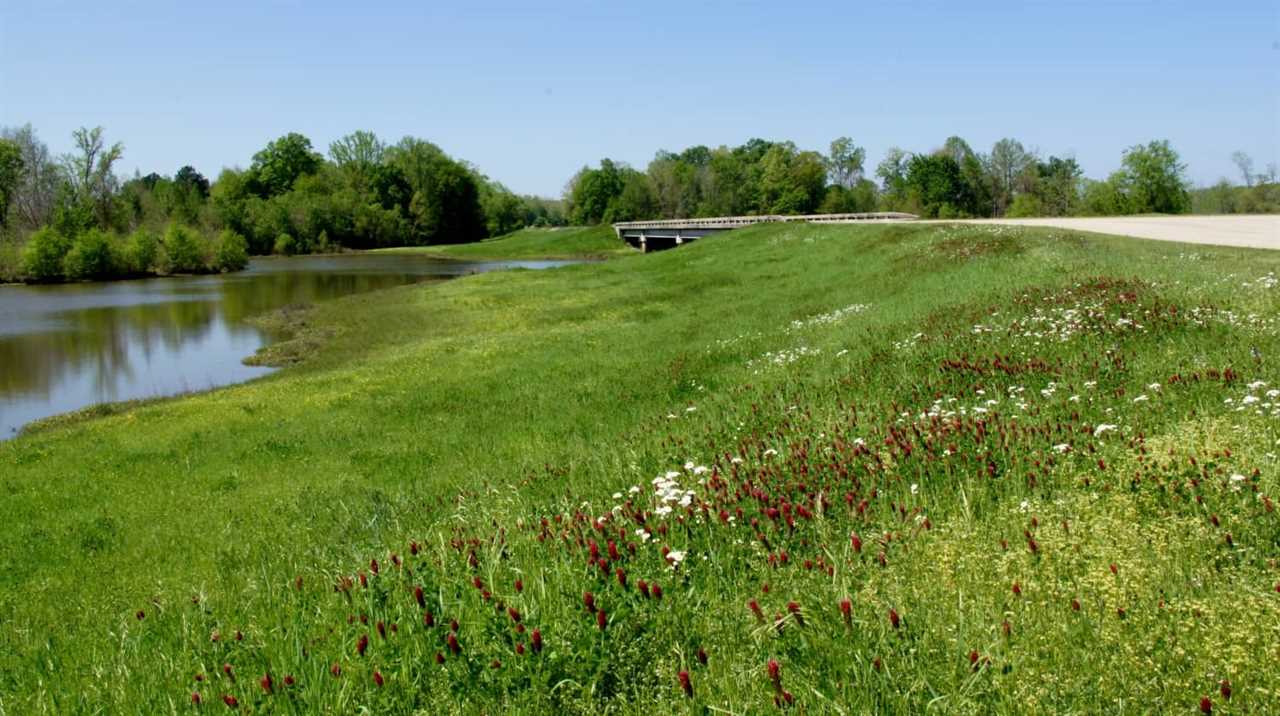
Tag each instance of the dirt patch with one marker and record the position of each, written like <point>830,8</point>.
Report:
<point>294,333</point>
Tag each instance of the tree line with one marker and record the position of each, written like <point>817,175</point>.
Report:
<point>362,194</point>
<point>952,181</point>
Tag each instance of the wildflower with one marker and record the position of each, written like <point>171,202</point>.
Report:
<point>377,678</point>
<point>288,680</point>
<point>656,591</point>
<point>363,644</point>
<point>226,669</point>
<point>439,658</point>
<point>452,642</point>
<point>428,619</point>
<point>1102,429</point>
<point>702,656</point>
<point>601,619</point>
<point>894,619</point>
<point>621,574</point>
<point>195,698</point>
<point>1224,688</point>
<point>535,641</point>
<point>230,701</point>
<point>675,557</point>
<point>335,670</point>
<point>141,615</point>
<point>856,542</point>
<point>382,630</point>
<point>266,683</point>
<point>643,586</point>
<point>775,674</point>
<point>794,608</point>
<point>1206,706</point>
<point>915,489</point>
<point>754,606</point>
<point>1017,589</point>
<point>418,596</point>
<point>846,611</point>
<point>373,566</point>
<point>685,684</point>
<point>589,601</point>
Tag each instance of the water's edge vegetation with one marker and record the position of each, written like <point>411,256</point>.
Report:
<point>880,468</point>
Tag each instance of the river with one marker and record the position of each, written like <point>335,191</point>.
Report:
<point>70,346</point>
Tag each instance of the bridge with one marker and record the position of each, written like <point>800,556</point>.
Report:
<point>669,233</point>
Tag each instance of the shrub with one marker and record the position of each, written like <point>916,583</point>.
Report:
<point>1025,205</point>
<point>141,252</point>
<point>182,246</point>
<point>42,258</point>
<point>232,253</point>
<point>285,245</point>
<point>92,256</point>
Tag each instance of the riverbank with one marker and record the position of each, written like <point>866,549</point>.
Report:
<point>569,242</point>
<point>1025,457</point>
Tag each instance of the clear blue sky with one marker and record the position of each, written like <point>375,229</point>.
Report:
<point>530,91</point>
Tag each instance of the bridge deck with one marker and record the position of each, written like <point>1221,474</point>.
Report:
<point>668,233</point>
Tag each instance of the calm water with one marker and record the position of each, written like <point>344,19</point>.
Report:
<point>70,346</point>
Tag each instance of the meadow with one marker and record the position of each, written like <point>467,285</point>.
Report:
<point>818,469</point>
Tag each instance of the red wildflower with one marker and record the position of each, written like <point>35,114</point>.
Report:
<point>1225,689</point>
<point>685,683</point>
<point>377,678</point>
<point>535,641</point>
<point>973,659</point>
<point>373,566</point>
<point>613,551</point>
<point>702,656</point>
<point>452,642</point>
<point>335,670</point>
<point>1075,605</point>
<point>856,542</point>
<point>794,608</point>
<point>195,698</point>
<point>520,649</point>
<point>775,674</point>
<point>656,590</point>
<point>428,619</point>
<point>1017,589</point>
<point>453,625</point>
<point>382,630</point>
<point>363,644</point>
<point>589,601</point>
<point>643,586</point>
<point>894,619</point>
<point>514,614</point>
<point>413,548</point>
<point>519,585</point>
<point>141,615</point>
<point>846,611</point>
<point>601,619</point>
<point>230,701</point>
<point>1206,706</point>
<point>418,597</point>
<point>226,669</point>
<point>266,683</point>
<point>288,680</point>
<point>1115,569</point>
<point>621,574</point>
<point>439,658</point>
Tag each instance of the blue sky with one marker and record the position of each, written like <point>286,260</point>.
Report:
<point>530,92</point>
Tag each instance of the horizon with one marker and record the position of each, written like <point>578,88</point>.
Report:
<point>529,96</point>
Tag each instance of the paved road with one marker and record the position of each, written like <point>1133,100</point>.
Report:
<point>1259,232</point>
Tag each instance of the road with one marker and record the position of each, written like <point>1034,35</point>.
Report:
<point>1258,232</point>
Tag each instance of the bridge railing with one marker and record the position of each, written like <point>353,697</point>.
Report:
<point>733,222</point>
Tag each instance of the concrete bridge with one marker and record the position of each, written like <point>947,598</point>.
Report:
<point>669,233</point>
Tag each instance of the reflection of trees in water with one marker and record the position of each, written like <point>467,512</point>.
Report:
<point>101,340</point>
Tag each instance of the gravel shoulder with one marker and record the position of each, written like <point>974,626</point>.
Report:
<point>1258,232</point>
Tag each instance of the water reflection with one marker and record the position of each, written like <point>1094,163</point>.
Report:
<point>67,347</point>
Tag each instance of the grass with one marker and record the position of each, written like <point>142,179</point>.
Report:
<point>939,468</point>
<point>560,243</point>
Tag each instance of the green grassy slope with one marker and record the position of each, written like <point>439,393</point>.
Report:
<point>566,242</point>
<point>958,430</point>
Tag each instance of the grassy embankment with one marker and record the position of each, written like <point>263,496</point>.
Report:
<point>967,469</point>
<point>571,242</point>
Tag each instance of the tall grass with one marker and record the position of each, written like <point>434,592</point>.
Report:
<point>833,469</point>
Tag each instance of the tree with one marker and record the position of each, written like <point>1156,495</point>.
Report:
<point>10,176</point>
<point>934,180</point>
<point>191,180</point>
<point>1009,163</point>
<point>36,190</point>
<point>1058,187</point>
<point>282,162</point>
<point>591,191</point>
<point>844,163</point>
<point>892,172</point>
<point>90,171</point>
<point>791,181</point>
<point>358,155</point>
<point>1154,179</point>
<point>1245,163</point>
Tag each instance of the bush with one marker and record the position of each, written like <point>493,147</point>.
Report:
<point>285,245</point>
<point>92,256</point>
<point>42,258</point>
<point>141,251</point>
<point>1025,205</point>
<point>232,253</point>
<point>182,246</point>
